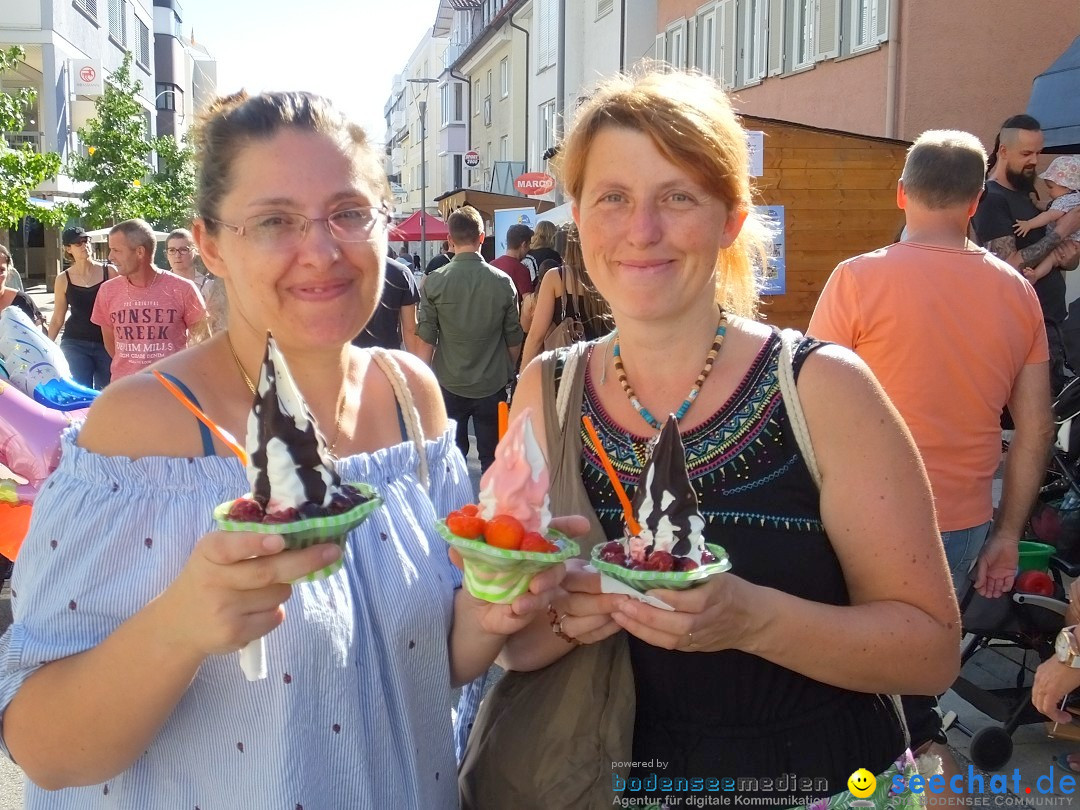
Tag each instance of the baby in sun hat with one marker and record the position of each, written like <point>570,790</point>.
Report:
<point>1062,178</point>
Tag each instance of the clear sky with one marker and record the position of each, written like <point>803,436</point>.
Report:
<point>348,50</point>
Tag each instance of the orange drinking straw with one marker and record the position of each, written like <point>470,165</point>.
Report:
<point>609,468</point>
<point>225,438</point>
<point>504,418</point>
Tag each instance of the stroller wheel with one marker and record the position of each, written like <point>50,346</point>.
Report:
<point>991,748</point>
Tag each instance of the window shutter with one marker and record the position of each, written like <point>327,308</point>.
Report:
<point>727,40</point>
<point>693,58</point>
<point>827,28</point>
<point>553,32</point>
<point>660,54</point>
<point>882,32</point>
<point>776,25</point>
<point>541,34</point>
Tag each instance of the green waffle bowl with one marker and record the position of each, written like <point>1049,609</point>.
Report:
<point>643,581</point>
<point>309,531</point>
<point>500,575</point>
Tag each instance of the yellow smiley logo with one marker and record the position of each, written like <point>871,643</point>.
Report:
<point>862,783</point>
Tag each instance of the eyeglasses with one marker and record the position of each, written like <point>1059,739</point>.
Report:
<point>179,251</point>
<point>285,231</point>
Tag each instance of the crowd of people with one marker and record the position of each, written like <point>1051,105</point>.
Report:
<point>849,499</point>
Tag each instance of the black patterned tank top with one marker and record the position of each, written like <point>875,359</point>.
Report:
<point>731,713</point>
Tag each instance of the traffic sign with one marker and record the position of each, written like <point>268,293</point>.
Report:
<point>471,159</point>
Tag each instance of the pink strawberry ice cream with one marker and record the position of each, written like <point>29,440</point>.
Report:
<point>517,482</point>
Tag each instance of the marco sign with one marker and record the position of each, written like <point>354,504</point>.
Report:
<point>534,183</point>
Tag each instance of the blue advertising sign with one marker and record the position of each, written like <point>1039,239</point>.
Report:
<point>774,277</point>
<point>506,217</point>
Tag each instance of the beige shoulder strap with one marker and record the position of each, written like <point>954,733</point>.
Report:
<point>413,428</point>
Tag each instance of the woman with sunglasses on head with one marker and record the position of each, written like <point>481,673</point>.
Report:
<point>119,676</point>
<point>76,289</point>
<point>838,595</point>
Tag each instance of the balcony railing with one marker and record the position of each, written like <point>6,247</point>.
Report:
<point>451,54</point>
<point>16,140</point>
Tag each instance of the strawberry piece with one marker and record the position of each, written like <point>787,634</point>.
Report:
<point>659,561</point>
<point>469,527</point>
<point>504,531</point>
<point>245,510</point>
<point>470,509</point>
<point>534,541</point>
<point>707,557</point>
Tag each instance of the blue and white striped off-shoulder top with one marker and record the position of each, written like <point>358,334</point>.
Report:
<point>356,711</point>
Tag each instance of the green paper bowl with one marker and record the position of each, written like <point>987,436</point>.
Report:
<point>500,575</point>
<point>308,531</point>
<point>643,581</point>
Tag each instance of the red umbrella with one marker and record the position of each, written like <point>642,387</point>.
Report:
<point>409,230</point>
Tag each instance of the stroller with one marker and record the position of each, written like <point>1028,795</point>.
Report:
<point>1026,622</point>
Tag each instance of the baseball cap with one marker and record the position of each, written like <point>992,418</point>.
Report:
<point>1065,171</point>
<point>73,235</point>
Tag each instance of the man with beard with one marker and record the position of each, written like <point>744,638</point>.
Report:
<point>1006,200</point>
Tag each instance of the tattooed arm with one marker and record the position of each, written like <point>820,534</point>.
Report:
<point>1004,247</point>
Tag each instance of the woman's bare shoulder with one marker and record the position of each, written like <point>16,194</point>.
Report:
<point>137,417</point>
<point>426,394</point>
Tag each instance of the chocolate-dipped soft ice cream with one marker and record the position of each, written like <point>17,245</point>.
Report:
<point>289,465</point>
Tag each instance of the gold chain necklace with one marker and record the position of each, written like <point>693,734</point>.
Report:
<point>332,447</point>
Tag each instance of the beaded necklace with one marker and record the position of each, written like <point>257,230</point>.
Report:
<point>718,341</point>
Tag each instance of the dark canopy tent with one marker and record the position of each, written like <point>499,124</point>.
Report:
<point>1055,102</point>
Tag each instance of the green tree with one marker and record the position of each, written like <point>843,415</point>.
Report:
<point>118,152</point>
<point>23,170</point>
<point>167,199</point>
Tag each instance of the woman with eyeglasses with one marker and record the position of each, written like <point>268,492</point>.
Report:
<point>119,677</point>
<point>76,289</point>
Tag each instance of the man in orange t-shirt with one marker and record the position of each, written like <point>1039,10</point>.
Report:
<point>953,334</point>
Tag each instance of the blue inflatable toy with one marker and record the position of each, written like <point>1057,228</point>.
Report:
<point>64,394</point>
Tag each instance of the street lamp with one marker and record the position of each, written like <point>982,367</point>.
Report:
<point>422,104</point>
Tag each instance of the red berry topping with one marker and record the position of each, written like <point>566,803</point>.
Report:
<point>245,510</point>
<point>534,541</point>
<point>470,509</point>
<point>685,564</point>
<point>659,561</point>
<point>504,531</point>
<point>284,516</point>
<point>707,557</point>
<point>471,528</point>
<point>613,553</point>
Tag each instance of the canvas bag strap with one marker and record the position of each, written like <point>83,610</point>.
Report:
<point>413,428</point>
<point>785,373</point>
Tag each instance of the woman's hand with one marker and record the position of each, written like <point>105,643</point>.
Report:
<point>1053,681</point>
<point>583,612</point>
<point>711,617</point>
<point>505,620</point>
<point>232,589</point>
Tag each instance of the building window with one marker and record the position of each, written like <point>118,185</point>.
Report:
<point>603,7</point>
<point>453,103</point>
<point>546,121</point>
<point>752,48</point>
<point>504,147</point>
<point>504,76</point>
<point>802,34</point>
<point>118,21</point>
<point>87,7</point>
<point>169,97</point>
<point>457,170</point>
<point>547,34</point>
<point>143,54</point>
<point>705,42</point>
<point>476,98</point>
<point>868,23</point>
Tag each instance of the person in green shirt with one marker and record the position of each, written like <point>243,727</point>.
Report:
<point>470,334</point>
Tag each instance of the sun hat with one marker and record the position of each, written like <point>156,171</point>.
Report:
<point>1065,171</point>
